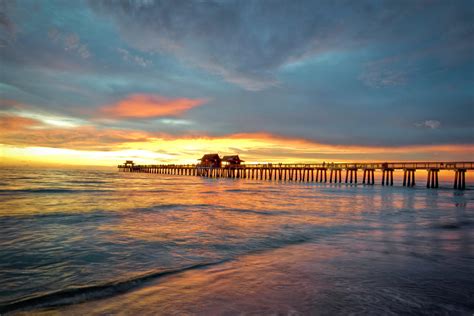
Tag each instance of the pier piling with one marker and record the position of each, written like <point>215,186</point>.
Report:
<point>315,172</point>
<point>409,177</point>
<point>460,179</point>
<point>432,180</point>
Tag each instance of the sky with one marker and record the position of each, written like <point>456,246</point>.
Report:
<point>97,82</point>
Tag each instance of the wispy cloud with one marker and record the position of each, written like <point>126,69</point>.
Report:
<point>10,123</point>
<point>8,28</point>
<point>11,111</point>
<point>387,72</point>
<point>431,124</point>
<point>21,131</point>
<point>70,41</point>
<point>149,106</point>
<point>129,57</point>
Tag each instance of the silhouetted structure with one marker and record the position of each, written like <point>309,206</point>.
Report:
<point>232,160</point>
<point>210,160</point>
<point>210,166</point>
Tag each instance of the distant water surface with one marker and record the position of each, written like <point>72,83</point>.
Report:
<point>100,241</point>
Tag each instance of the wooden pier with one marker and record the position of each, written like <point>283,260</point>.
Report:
<point>316,172</point>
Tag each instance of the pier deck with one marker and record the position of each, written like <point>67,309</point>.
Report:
<point>322,172</point>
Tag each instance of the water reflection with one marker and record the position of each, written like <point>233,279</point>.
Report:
<point>67,229</point>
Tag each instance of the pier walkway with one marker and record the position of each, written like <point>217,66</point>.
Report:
<point>323,172</point>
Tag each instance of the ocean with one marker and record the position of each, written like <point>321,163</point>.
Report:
<point>94,242</point>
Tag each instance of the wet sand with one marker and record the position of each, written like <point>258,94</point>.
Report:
<point>307,278</point>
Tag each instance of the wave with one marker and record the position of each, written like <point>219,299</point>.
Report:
<point>90,215</point>
<point>181,206</point>
<point>454,225</point>
<point>249,211</point>
<point>87,181</point>
<point>154,191</point>
<point>241,190</point>
<point>49,191</point>
<point>81,294</point>
<point>76,295</point>
<point>259,190</point>
<point>168,206</point>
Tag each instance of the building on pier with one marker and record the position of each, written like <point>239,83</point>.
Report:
<point>232,160</point>
<point>129,164</point>
<point>210,160</point>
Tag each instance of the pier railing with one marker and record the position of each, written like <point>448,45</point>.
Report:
<point>315,172</point>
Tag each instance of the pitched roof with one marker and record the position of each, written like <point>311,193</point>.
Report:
<point>210,157</point>
<point>232,157</point>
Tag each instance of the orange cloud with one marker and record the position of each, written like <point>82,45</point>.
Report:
<point>31,140</point>
<point>145,106</point>
<point>10,104</point>
<point>23,132</point>
<point>15,123</point>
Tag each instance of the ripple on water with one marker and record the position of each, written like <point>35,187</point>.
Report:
<point>294,247</point>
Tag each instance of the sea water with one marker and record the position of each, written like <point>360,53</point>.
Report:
<point>85,241</point>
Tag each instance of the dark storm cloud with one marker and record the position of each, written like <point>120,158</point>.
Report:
<point>247,41</point>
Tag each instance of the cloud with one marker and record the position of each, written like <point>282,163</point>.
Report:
<point>8,28</point>
<point>214,36</point>
<point>432,124</point>
<point>71,42</point>
<point>13,110</point>
<point>9,104</point>
<point>304,56</point>
<point>243,42</point>
<point>19,133</point>
<point>149,106</point>
<point>383,73</point>
<point>10,123</point>
<point>127,56</point>
<point>247,42</point>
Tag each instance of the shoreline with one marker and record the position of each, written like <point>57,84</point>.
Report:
<point>316,278</point>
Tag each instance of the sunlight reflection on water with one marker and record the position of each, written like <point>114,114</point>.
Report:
<point>76,228</point>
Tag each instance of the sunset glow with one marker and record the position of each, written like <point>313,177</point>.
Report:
<point>109,86</point>
<point>146,106</point>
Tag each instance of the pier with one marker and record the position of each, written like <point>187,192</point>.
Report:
<point>323,173</point>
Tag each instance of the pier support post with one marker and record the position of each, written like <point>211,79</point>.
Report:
<point>337,173</point>
<point>409,177</point>
<point>432,180</point>
<point>460,179</point>
<point>321,175</point>
<point>351,173</point>
<point>368,176</point>
<point>387,176</point>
